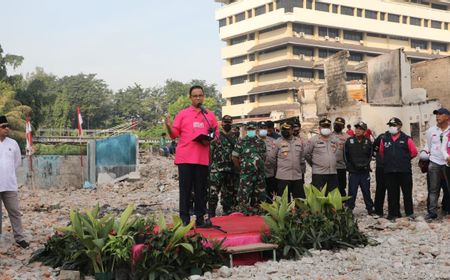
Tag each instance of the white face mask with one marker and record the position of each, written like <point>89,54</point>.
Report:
<point>263,132</point>
<point>393,130</point>
<point>325,131</point>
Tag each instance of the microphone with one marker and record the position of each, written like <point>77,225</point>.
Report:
<point>202,108</point>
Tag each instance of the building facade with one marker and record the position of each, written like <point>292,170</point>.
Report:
<point>274,48</point>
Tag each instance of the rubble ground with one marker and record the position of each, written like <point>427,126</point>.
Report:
<point>408,249</point>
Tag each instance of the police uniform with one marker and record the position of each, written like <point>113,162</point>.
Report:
<point>288,156</point>
<point>269,167</point>
<point>358,154</point>
<point>320,153</point>
<point>223,178</point>
<point>340,162</point>
<point>249,154</point>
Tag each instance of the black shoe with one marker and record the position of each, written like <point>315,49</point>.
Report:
<point>23,244</point>
<point>199,222</point>
<point>430,216</point>
<point>391,218</point>
<point>411,217</point>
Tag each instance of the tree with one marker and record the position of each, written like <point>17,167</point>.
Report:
<point>184,101</point>
<point>8,60</point>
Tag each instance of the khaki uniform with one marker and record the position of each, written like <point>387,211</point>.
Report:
<point>321,154</point>
<point>288,157</point>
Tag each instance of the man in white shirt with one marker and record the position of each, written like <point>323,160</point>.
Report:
<point>10,160</point>
<point>436,168</point>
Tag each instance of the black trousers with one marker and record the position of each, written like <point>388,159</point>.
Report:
<point>380,191</point>
<point>395,182</point>
<point>342,180</point>
<point>295,188</point>
<point>271,188</point>
<point>319,181</point>
<point>446,193</point>
<point>192,176</point>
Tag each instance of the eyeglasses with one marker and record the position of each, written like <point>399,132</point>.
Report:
<point>5,126</point>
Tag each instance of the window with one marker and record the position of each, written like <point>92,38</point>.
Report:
<point>238,80</point>
<point>446,25</point>
<point>309,4</point>
<point>324,7</point>
<point>335,9</point>
<point>371,14</point>
<point>376,35</point>
<point>237,60</point>
<point>382,16</point>
<point>324,53</point>
<point>439,46</point>
<point>252,77</point>
<point>398,38</point>
<point>273,28</point>
<point>304,51</point>
<point>240,17</point>
<point>359,12</point>
<point>330,32</point>
<point>238,40</point>
<point>352,35</point>
<point>303,73</point>
<point>355,56</point>
<point>425,22</point>
<point>354,76</point>
<point>252,98</point>
<point>404,19</point>
<point>260,10</point>
<point>287,5</point>
<point>439,7</point>
<point>222,22</point>
<point>393,18</point>
<point>251,36</point>
<point>307,29</point>
<point>270,7</point>
<point>349,11</point>
<point>436,24</point>
<point>251,57</point>
<point>321,74</point>
<point>418,44</point>
<point>249,13</point>
<point>414,21</point>
<point>238,100</point>
<point>274,49</point>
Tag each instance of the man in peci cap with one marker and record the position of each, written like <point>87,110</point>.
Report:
<point>269,168</point>
<point>397,150</point>
<point>288,157</point>
<point>339,124</point>
<point>249,155</point>
<point>320,153</point>
<point>358,154</point>
<point>223,177</point>
<point>436,168</point>
<point>10,160</point>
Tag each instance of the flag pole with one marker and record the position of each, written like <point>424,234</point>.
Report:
<point>29,153</point>
<point>80,135</point>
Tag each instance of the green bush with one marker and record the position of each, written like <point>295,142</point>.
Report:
<point>317,222</point>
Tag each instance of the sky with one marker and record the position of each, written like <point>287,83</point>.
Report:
<point>123,42</point>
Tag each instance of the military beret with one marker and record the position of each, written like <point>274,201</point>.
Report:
<point>339,120</point>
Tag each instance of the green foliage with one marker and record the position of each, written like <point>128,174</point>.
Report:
<point>319,221</point>
<point>170,253</point>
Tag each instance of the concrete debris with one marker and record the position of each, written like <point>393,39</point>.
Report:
<point>408,249</point>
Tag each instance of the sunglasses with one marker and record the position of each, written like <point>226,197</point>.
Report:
<point>5,126</point>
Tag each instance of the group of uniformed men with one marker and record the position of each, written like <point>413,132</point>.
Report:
<point>249,170</point>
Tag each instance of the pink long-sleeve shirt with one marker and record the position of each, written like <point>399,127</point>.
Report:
<point>187,125</point>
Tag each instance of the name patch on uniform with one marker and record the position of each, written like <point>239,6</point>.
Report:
<point>198,125</point>
<point>352,141</point>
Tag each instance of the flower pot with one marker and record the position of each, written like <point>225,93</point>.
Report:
<point>104,276</point>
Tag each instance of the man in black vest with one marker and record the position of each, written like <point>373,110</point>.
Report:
<point>397,150</point>
<point>357,155</point>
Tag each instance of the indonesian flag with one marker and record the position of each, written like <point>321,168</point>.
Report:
<point>28,134</point>
<point>80,122</point>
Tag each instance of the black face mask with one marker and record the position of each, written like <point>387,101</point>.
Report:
<point>226,127</point>
<point>285,133</point>
<point>337,128</point>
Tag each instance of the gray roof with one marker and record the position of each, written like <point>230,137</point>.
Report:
<point>296,63</point>
<point>268,109</point>
<point>275,87</point>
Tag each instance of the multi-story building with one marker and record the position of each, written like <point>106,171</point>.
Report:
<point>274,47</point>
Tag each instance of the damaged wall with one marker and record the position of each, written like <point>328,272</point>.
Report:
<point>434,76</point>
<point>335,77</point>
<point>52,171</point>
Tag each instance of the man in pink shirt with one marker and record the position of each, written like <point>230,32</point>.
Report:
<point>195,127</point>
<point>397,149</point>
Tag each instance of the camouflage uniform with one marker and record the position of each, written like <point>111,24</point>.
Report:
<point>251,152</point>
<point>223,177</point>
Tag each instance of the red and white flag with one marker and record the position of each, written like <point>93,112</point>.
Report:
<point>28,134</point>
<point>80,122</point>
